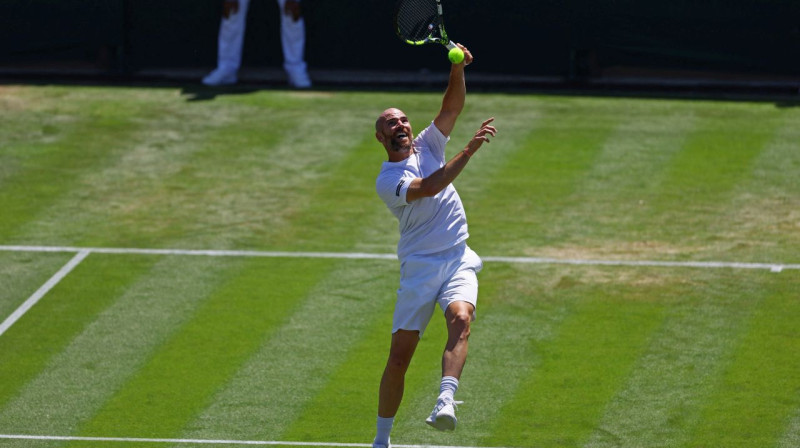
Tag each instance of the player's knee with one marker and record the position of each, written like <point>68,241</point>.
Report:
<point>398,362</point>
<point>460,321</point>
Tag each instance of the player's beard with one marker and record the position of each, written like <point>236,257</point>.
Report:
<point>401,144</point>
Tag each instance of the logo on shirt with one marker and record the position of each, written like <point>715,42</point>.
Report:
<point>399,186</point>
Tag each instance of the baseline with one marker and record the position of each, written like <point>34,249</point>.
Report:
<point>210,441</point>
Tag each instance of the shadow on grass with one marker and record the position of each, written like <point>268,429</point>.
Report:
<point>199,92</point>
<point>783,96</point>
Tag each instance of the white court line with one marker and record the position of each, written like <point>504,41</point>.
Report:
<point>210,441</point>
<point>773,267</point>
<point>19,312</point>
<point>207,253</point>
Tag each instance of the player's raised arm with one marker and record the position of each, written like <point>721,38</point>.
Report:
<point>444,176</point>
<point>454,96</point>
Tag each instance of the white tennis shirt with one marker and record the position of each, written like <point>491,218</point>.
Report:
<point>429,224</point>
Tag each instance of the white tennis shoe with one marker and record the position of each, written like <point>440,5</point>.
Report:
<point>443,416</point>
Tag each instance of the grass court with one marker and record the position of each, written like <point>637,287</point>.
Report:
<point>584,336</point>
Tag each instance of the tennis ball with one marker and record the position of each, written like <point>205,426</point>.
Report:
<point>456,55</point>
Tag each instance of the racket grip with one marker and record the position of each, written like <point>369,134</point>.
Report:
<point>450,45</point>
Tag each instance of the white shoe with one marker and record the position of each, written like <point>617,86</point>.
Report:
<point>443,416</point>
<point>299,80</point>
<point>220,78</point>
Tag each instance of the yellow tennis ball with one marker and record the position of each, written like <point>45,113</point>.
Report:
<point>456,55</point>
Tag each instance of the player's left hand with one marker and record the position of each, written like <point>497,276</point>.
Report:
<point>481,136</point>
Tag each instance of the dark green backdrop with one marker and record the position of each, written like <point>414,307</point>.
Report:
<point>562,38</point>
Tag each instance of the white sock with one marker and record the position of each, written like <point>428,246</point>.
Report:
<point>384,426</point>
<point>448,387</point>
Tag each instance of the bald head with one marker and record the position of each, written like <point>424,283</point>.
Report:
<point>394,132</point>
<point>385,115</point>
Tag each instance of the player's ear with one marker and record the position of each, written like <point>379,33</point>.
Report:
<point>379,136</point>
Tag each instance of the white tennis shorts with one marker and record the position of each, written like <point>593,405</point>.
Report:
<point>425,280</point>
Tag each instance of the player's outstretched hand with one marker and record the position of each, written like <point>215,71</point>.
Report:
<point>481,136</point>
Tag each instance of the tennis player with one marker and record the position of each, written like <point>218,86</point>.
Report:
<point>436,265</point>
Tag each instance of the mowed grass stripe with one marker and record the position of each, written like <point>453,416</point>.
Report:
<point>344,409</point>
<point>593,351</point>
<point>609,196</point>
<point>338,224</point>
<point>200,357</point>
<point>516,310</point>
<point>268,393</point>
<point>49,326</point>
<point>717,156</point>
<point>79,379</point>
<point>662,399</point>
<point>197,174</point>
<point>791,437</point>
<point>146,193</point>
<point>49,166</point>
<point>763,218</point>
<point>760,388</point>
<point>250,174</point>
<point>521,200</point>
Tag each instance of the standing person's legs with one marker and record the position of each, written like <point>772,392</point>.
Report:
<point>293,43</point>
<point>229,49</point>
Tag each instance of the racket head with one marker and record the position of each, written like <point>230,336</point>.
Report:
<point>419,22</point>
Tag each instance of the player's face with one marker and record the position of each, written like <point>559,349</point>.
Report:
<point>395,130</point>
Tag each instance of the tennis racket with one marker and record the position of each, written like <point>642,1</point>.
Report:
<point>419,22</point>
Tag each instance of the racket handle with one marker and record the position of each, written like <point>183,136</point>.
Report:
<point>450,45</point>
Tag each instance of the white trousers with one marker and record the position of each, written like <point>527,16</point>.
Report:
<point>231,40</point>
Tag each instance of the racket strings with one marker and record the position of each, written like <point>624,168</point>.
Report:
<point>417,19</point>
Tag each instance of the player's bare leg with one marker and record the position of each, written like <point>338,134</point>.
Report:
<point>404,343</point>
<point>458,317</point>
